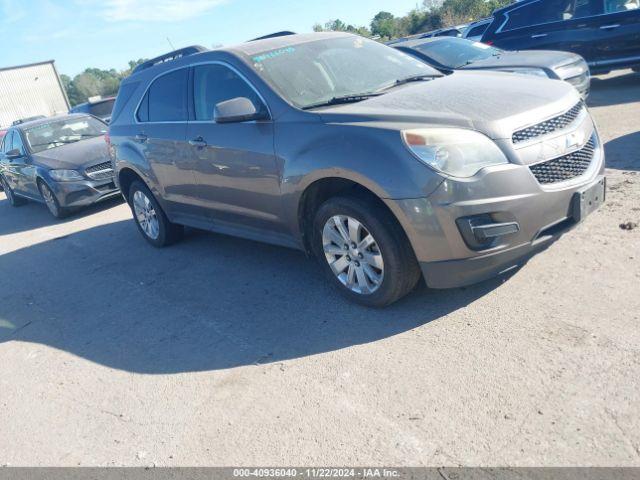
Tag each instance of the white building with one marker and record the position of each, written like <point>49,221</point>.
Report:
<point>30,90</point>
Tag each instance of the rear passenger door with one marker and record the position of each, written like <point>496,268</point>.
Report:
<point>161,134</point>
<point>234,163</point>
<point>619,32</point>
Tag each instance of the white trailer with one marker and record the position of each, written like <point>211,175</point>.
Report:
<point>30,90</point>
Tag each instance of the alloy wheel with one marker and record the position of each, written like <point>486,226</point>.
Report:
<point>146,215</point>
<point>49,200</point>
<point>353,254</point>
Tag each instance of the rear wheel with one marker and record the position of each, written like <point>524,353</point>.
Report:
<point>14,200</point>
<point>364,252</point>
<point>51,201</point>
<point>150,219</point>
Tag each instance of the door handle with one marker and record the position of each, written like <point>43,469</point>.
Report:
<point>539,35</point>
<point>141,137</point>
<point>198,142</point>
<point>609,27</point>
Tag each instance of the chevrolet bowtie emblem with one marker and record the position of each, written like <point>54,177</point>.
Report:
<point>574,140</point>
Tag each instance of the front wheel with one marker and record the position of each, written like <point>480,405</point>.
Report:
<point>51,201</point>
<point>364,252</point>
<point>150,219</point>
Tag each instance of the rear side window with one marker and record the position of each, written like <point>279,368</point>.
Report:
<point>166,99</point>
<point>216,83</point>
<point>477,31</point>
<point>537,13</point>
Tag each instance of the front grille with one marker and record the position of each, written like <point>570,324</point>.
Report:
<point>102,171</point>
<point>548,126</point>
<point>566,167</point>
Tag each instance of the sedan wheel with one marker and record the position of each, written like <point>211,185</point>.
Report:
<point>146,215</point>
<point>49,200</point>
<point>353,254</point>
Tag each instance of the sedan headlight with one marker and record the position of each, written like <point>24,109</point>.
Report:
<point>65,175</point>
<point>453,151</point>
<point>538,72</point>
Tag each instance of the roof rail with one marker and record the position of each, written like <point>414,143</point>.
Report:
<point>168,57</point>
<point>284,33</point>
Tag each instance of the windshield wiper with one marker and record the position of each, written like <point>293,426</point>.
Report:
<point>404,81</point>
<point>344,99</point>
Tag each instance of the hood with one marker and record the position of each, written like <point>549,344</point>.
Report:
<point>548,59</point>
<point>75,156</point>
<point>493,103</point>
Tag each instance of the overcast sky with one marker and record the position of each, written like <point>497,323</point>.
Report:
<point>109,33</point>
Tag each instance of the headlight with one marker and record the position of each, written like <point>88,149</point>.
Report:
<point>65,175</point>
<point>538,72</point>
<point>456,152</point>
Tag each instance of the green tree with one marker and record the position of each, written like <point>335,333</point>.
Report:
<point>385,25</point>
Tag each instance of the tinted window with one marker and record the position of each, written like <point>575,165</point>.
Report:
<point>168,98</point>
<point>612,6</point>
<point>101,109</point>
<point>477,31</point>
<point>540,12</point>
<point>213,84</point>
<point>587,8</point>
<point>124,94</point>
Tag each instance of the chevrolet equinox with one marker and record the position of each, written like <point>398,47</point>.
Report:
<point>375,163</point>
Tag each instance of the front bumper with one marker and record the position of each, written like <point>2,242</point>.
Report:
<point>83,193</point>
<point>508,193</point>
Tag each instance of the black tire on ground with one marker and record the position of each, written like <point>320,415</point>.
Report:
<point>52,205</point>
<point>14,200</point>
<point>401,269</point>
<point>168,233</point>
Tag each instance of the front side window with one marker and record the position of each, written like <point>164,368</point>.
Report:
<point>310,73</point>
<point>17,143</point>
<point>217,83</point>
<point>456,52</point>
<point>166,100</point>
<point>62,132</point>
<point>6,142</point>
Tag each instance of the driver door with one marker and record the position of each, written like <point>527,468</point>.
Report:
<point>234,163</point>
<point>23,169</point>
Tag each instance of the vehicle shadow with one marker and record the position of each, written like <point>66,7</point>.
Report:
<point>211,302</point>
<point>622,153</point>
<point>34,215</point>
<point>617,90</point>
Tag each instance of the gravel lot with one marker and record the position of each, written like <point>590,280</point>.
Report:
<point>222,351</point>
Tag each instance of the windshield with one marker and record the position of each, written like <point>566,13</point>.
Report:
<point>456,52</point>
<point>311,73</point>
<point>55,134</point>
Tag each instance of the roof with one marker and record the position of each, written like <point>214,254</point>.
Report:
<point>44,121</point>
<point>27,65</point>
<point>422,41</point>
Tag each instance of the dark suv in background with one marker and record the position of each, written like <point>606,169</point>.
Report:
<point>606,33</point>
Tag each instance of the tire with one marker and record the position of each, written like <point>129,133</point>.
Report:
<point>150,219</point>
<point>51,201</point>
<point>384,271</point>
<point>14,200</point>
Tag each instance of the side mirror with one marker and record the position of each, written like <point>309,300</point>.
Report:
<point>13,154</point>
<point>237,110</point>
